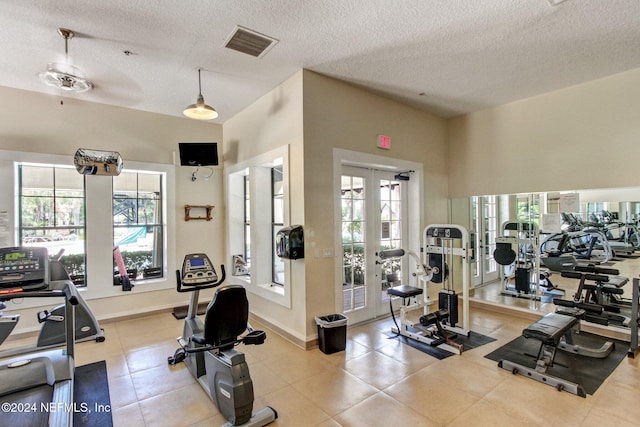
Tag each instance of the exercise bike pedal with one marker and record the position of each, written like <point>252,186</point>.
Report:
<point>47,316</point>
<point>255,338</point>
<point>177,357</point>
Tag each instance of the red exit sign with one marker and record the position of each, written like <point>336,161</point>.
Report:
<point>384,141</point>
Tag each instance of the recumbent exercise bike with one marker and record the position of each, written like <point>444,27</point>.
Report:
<point>208,348</point>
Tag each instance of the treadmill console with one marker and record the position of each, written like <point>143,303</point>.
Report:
<point>24,267</point>
<point>198,270</point>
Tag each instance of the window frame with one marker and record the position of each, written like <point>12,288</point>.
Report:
<point>262,245</point>
<point>80,281</point>
<point>276,225</point>
<point>99,251</point>
<point>161,211</point>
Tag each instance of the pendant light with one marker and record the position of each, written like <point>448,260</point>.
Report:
<point>200,110</point>
<point>64,75</point>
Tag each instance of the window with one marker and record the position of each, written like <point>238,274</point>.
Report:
<point>52,214</point>
<point>257,208</point>
<point>49,204</point>
<point>247,223</point>
<point>528,207</point>
<point>277,221</point>
<point>138,229</point>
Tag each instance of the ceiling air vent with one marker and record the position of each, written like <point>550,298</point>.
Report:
<point>250,42</point>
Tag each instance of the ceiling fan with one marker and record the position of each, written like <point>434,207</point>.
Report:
<point>64,75</point>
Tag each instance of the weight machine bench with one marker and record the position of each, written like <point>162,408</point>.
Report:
<point>424,331</point>
<point>555,332</point>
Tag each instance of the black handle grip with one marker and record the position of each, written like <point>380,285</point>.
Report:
<point>71,293</point>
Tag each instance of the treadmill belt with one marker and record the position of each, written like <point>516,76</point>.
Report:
<point>25,407</point>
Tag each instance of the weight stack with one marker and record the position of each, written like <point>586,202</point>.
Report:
<point>448,300</point>
<point>522,280</point>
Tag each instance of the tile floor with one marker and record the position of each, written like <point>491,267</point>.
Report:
<point>374,382</point>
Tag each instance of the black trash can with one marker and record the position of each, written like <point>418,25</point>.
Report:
<point>332,333</point>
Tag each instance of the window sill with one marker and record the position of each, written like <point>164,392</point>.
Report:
<point>268,291</point>
<point>272,287</point>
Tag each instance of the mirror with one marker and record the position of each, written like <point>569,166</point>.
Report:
<point>614,212</point>
<point>97,162</point>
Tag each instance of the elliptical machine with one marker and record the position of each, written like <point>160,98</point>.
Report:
<point>208,348</point>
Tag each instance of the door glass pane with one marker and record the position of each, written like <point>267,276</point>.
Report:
<point>491,232</point>
<point>390,233</point>
<point>353,227</point>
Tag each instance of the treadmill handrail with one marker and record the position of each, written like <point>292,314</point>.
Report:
<point>69,291</point>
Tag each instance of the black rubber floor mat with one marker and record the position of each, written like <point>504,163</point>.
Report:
<point>589,372</point>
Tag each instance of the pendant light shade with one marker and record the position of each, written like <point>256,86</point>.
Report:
<point>200,110</point>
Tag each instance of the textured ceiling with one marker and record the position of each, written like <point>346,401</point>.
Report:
<point>461,55</point>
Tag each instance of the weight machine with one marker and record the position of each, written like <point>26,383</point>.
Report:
<point>522,264</point>
<point>441,244</point>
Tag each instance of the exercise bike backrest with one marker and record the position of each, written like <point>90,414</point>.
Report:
<point>198,273</point>
<point>226,317</point>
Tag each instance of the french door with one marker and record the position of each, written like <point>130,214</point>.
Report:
<point>485,227</point>
<point>373,217</point>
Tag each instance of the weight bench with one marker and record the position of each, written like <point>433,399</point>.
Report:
<point>607,285</point>
<point>429,330</point>
<point>404,291</point>
<point>555,332</point>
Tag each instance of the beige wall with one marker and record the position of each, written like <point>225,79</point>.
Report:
<point>338,115</point>
<point>36,123</point>
<point>581,137</point>
<point>273,121</point>
<point>314,114</point>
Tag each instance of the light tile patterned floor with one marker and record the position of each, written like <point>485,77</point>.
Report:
<point>374,382</point>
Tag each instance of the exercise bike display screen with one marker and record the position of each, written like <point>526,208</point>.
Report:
<point>197,263</point>
<point>197,269</point>
<point>20,266</point>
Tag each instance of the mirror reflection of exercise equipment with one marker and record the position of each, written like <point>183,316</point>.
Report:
<point>563,251</point>
<point>517,251</point>
<point>207,348</point>
<point>445,248</point>
<point>44,377</point>
<point>601,300</point>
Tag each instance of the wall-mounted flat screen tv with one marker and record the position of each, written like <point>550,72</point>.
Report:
<point>198,153</point>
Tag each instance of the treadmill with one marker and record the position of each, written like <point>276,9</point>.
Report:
<point>35,389</point>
